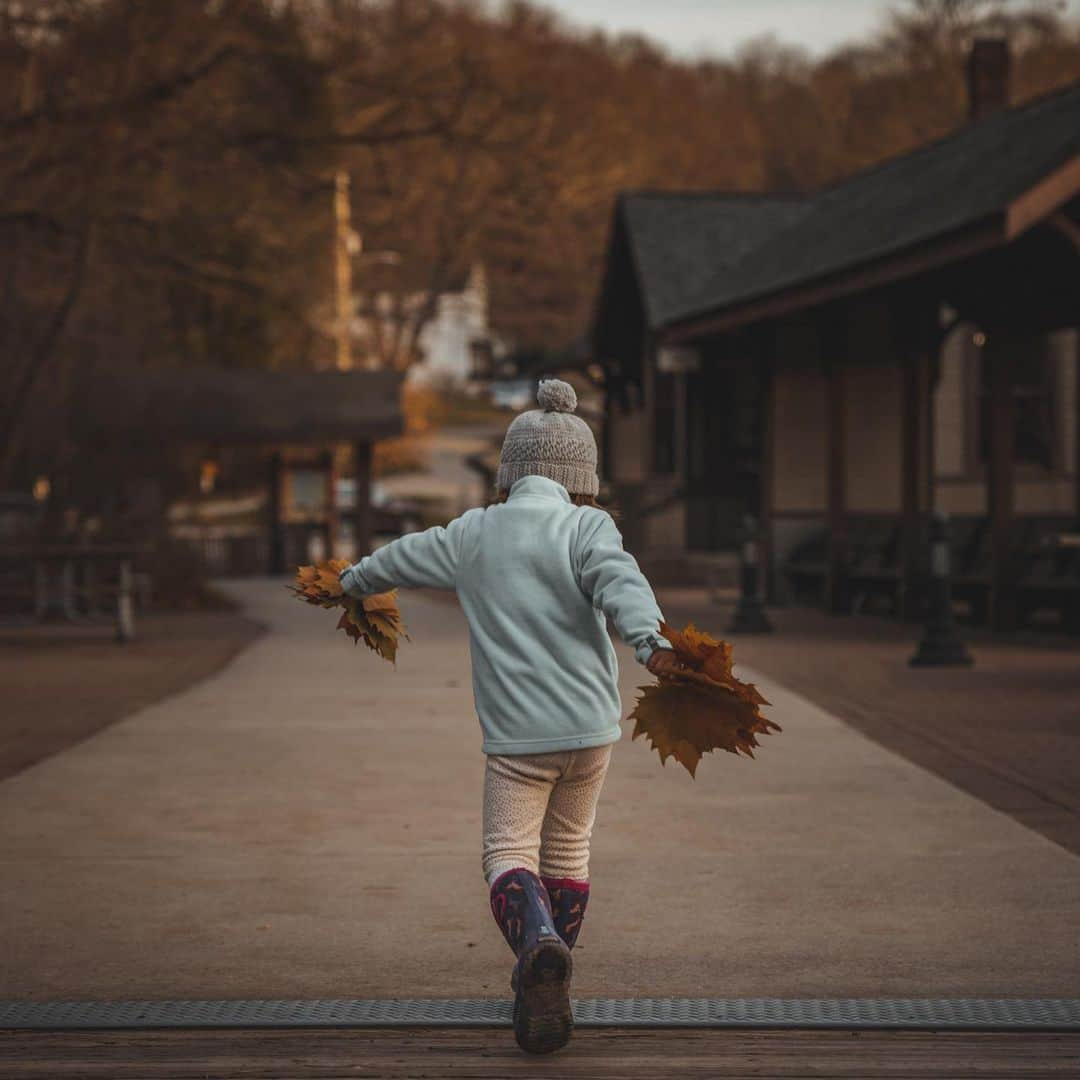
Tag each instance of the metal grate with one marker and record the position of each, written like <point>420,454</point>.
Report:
<point>1054,1014</point>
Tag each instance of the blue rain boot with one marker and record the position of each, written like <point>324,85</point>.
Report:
<point>543,1019</point>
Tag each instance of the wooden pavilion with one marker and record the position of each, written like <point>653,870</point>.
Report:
<point>841,362</point>
<point>292,419</point>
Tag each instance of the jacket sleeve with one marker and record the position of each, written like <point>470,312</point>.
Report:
<point>610,576</point>
<point>427,559</point>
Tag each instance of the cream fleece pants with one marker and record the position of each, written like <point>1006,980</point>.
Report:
<point>539,811</point>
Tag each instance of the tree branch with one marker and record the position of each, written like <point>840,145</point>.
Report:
<point>41,353</point>
<point>155,93</point>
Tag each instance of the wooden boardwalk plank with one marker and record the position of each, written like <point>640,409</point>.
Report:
<point>398,1053</point>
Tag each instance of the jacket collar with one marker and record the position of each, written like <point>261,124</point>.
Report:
<point>539,485</point>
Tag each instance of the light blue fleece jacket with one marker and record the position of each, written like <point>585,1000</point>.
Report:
<point>537,577</point>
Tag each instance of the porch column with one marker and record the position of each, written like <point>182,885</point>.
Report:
<point>275,528</point>
<point>362,515</point>
<point>912,410</point>
<point>767,498</point>
<point>917,459</point>
<point>679,435</point>
<point>326,459</point>
<point>999,356</point>
<point>836,584</point>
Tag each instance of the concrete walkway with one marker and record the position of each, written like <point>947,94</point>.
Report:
<point>306,824</point>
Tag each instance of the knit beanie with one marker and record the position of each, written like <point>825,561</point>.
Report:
<point>552,442</point>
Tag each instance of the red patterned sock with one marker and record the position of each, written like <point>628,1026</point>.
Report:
<point>569,898</point>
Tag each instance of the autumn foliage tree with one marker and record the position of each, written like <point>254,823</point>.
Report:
<point>157,205</point>
<point>535,127</point>
<point>167,168</point>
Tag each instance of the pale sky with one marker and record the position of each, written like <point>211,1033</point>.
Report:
<point>718,27</point>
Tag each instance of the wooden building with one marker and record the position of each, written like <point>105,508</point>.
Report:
<point>839,363</point>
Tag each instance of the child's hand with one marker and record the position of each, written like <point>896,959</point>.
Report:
<point>663,662</point>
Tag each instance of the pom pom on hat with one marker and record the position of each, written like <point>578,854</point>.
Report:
<point>554,395</point>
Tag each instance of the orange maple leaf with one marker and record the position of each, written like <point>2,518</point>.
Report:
<point>701,707</point>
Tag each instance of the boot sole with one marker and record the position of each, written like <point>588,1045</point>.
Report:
<point>543,1019</point>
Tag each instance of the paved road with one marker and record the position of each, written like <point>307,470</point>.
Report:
<point>306,824</point>
<point>1006,730</point>
<point>446,477</point>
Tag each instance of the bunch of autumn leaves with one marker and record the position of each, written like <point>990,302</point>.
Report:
<point>699,708</point>
<point>702,706</point>
<point>374,620</point>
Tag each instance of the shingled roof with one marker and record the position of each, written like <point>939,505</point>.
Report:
<point>697,255</point>
<point>226,405</point>
<point>687,246</point>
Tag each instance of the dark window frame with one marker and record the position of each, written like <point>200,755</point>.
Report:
<point>1039,394</point>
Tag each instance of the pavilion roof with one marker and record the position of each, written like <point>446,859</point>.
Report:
<point>237,405</point>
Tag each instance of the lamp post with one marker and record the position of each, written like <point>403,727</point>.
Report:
<point>749,617</point>
<point>941,644</point>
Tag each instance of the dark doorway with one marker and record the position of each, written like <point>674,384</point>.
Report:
<point>724,414</point>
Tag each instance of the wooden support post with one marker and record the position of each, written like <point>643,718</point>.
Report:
<point>917,331</point>
<point>913,366</point>
<point>326,460</point>
<point>1076,427</point>
<point>916,437</point>
<point>41,588</point>
<point>362,515</point>
<point>679,435</point>
<point>275,526</point>
<point>998,354</point>
<point>766,500</point>
<point>125,603</point>
<point>836,598</point>
<point>607,409</point>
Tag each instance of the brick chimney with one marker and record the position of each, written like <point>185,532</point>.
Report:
<point>988,70</point>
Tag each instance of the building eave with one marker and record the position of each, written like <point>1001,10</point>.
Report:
<point>1043,199</point>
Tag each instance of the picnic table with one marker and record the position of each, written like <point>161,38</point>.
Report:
<point>81,581</point>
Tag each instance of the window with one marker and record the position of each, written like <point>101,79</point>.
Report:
<point>306,493</point>
<point>1034,404</point>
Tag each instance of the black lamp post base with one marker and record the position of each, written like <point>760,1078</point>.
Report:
<point>941,651</point>
<point>941,644</point>
<point>749,618</point>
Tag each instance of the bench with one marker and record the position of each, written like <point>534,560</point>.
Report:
<point>84,583</point>
<point>807,567</point>
<point>1044,572</point>
<point>871,564</point>
<point>1048,570</point>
